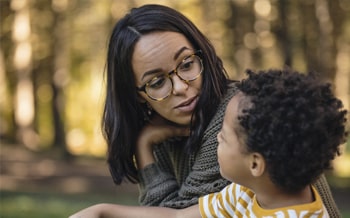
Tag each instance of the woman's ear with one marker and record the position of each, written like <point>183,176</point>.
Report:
<point>257,164</point>
<point>146,108</point>
<point>140,99</point>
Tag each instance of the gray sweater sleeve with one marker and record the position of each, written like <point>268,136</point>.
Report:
<point>162,184</point>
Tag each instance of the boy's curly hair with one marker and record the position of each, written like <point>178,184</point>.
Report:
<point>295,122</point>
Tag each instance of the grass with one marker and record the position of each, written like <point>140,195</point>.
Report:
<point>40,205</point>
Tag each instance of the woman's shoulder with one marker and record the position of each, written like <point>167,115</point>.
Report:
<point>232,88</point>
<point>216,121</point>
<point>231,91</point>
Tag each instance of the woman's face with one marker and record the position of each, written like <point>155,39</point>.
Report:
<point>158,53</point>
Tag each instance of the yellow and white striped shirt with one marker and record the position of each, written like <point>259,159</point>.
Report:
<point>238,201</point>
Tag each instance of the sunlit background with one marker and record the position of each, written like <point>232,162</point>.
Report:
<point>53,54</point>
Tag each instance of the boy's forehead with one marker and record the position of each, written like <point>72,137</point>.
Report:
<point>235,103</point>
<point>232,108</point>
<point>235,107</point>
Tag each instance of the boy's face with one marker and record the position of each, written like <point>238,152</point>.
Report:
<point>232,159</point>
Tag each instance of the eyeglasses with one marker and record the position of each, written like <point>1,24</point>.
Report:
<point>188,70</point>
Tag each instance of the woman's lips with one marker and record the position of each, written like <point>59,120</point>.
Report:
<point>188,106</point>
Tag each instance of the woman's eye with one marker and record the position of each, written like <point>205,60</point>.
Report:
<point>157,82</point>
<point>186,65</point>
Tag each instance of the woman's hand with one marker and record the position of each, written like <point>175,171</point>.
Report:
<point>155,132</point>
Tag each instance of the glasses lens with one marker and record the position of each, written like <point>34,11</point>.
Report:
<point>190,68</point>
<point>159,87</point>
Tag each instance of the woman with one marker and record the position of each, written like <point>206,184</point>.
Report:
<point>166,95</point>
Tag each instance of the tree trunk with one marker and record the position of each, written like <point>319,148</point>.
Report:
<point>22,62</point>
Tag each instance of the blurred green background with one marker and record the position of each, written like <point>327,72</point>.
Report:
<point>52,60</point>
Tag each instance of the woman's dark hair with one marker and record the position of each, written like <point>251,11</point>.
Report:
<point>123,115</point>
<point>295,122</point>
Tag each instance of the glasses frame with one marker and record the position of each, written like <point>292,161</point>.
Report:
<point>143,87</point>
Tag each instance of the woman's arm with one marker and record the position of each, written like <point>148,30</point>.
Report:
<point>121,211</point>
<point>156,171</point>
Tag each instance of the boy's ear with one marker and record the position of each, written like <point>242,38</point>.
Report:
<point>257,164</point>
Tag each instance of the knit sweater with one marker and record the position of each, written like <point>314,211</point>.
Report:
<point>177,179</point>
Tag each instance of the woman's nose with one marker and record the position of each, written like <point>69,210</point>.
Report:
<point>179,86</point>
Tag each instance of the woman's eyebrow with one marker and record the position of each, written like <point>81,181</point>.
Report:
<point>177,54</point>
<point>151,72</point>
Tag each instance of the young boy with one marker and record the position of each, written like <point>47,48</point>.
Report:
<point>280,132</point>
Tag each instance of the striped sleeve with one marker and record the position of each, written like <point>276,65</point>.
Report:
<point>221,204</point>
